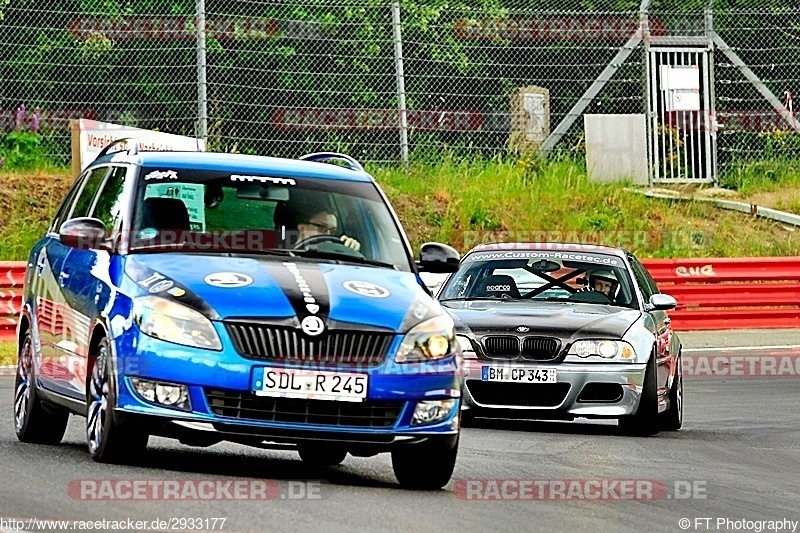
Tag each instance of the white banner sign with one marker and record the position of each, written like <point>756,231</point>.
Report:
<point>89,137</point>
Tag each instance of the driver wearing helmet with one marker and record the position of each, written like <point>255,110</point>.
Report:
<point>324,223</point>
<point>605,282</point>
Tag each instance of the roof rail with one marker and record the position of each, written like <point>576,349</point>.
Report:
<point>327,157</point>
<point>132,151</point>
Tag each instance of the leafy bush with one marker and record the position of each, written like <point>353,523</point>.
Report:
<point>21,150</point>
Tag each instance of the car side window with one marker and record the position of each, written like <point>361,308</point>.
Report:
<point>66,205</point>
<point>641,275</point>
<point>108,208</point>
<point>86,197</point>
<point>650,280</point>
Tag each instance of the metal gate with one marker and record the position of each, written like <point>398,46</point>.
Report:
<point>680,100</point>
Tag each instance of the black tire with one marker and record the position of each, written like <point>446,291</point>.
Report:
<point>646,421</point>
<point>424,468</point>
<point>467,418</point>
<point>33,422</point>
<point>672,418</point>
<point>108,441</point>
<point>319,455</point>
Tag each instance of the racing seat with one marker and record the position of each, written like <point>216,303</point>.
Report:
<point>498,286</point>
<point>165,214</point>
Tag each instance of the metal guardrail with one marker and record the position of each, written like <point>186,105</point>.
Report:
<point>12,278</point>
<point>733,293</point>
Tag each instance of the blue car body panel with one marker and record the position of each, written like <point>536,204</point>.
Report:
<point>72,295</point>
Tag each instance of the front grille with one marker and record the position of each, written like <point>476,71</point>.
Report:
<point>501,346</point>
<point>248,406</point>
<point>518,394</point>
<point>532,349</point>
<point>540,348</point>
<point>281,343</point>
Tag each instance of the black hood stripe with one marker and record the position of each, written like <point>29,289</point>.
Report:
<point>304,286</point>
<point>159,284</point>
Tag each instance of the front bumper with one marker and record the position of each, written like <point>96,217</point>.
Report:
<point>614,390</point>
<point>206,373</point>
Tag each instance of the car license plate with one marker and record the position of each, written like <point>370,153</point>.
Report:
<point>310,385</point>
<point>518,374</point>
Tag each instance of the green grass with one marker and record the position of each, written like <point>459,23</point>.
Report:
<point>8,353</point>
<point>28,201</point>
<point>466,202</point>
<point>762,176</point>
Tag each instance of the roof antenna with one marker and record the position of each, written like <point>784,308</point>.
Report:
<point>107,147</point>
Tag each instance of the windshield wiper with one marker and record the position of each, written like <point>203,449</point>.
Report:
<point>319,254</point>
<point>188,248</point>
<point>468,298</point>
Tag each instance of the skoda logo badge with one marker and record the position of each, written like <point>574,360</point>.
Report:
<point>312,325</point>
<point>523,329</point>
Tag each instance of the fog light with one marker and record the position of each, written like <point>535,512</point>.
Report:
<point>432,411</point>
<point>166,394</point>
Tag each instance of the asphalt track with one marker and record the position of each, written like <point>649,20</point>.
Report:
<point>737,459</point>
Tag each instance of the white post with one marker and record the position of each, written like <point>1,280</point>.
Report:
<point>401,84</point>
<point>202,85</point>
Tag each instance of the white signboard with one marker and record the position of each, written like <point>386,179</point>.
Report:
<point>616,148</point>
<point>536,125</point>
<point>89,137</point>
<point>685,100</point>
<point>683,77</point>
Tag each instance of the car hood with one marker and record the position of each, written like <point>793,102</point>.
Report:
<point>261,287</point>
<point>567,322</point>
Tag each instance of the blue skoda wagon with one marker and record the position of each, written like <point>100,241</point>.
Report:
<point>218,297</point>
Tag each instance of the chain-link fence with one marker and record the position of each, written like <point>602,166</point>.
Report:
<point>378,79</point>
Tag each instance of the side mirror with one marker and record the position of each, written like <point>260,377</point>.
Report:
<point>438,258</point>
<point>83,233</point>
<point>662,302</point>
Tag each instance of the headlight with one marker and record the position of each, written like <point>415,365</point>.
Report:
<point>430,340</point>
<point>173,322</point>
<point>604,349</point>
<point>466,347</point>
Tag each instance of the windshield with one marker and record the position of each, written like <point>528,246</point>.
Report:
<point>218,212</point>
<point>546,275</point>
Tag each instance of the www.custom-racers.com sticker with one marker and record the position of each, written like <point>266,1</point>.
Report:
<point>228,280</point>
<point>365,288</point>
